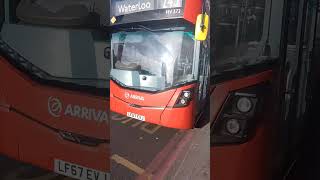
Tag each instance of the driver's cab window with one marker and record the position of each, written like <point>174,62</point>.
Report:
<point>185,65</point>
<point>64,38</point>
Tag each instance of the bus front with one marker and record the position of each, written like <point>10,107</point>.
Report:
<point>54,106</point>
<point>155,73</point>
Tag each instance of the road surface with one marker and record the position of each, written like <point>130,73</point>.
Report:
<point>141,150</point>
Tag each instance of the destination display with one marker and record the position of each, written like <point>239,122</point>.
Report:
<point>129,11</point>
<point>134,6</point>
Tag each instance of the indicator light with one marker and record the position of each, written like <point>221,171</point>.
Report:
<point>113,20</point>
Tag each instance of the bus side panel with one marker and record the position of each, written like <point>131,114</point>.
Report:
<point>9,122</point>
<point>40,146</point>
<point>249,161</point>
<point>32,99</point>
<point>26,136</point>
<point>255,158</point>
<point>192,9</point>
<point>9,129</point>
<point>181,118</point>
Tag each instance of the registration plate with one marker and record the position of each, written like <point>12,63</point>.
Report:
<point>78,172</point>
<point>136,116</point>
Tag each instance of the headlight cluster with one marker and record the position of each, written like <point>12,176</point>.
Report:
<point>236,119</point>
<point>184,98</point>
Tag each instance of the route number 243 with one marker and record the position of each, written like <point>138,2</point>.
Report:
<point>172,3</point>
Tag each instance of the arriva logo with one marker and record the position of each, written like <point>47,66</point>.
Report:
<point>55,108</point>
<point>126,95</point>
<point>133,96</point>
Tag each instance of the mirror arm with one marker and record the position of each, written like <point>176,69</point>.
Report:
<point>203,15</point>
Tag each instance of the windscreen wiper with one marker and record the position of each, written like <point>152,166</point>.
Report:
<point>133,87</point>
<point>141,27</point>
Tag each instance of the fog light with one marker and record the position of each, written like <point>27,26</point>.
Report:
<point>244,104</point>
<point>183,101</point>
<point>233,126</point>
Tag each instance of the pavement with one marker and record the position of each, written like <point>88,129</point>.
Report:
<point>143,151</point>
<point>194,162</point>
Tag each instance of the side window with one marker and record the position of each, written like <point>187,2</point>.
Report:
<point>47,42</point>
<point>204,71</point>
<point>245,32</point>
<point>186,56</point>
<point>238,27</point>
<point>2,13</point>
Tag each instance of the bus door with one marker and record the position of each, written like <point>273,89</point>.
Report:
<point>297,68</point>
<point>295,78</point>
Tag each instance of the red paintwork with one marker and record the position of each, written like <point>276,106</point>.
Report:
<point>24,139</point>
<point>192,9</point>
<point>157,108</point>
<point>252,160</point>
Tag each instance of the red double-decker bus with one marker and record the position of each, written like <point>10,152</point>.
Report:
<point>160,70</point>
<point>54,68</point>
<point>259,86</point>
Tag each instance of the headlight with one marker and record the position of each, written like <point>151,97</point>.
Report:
<point>184,98</point>
<point>187,94</point>
<point>237,120</point>
<point>183,101</point>
<point>244,104</point>
<point>232,126</point>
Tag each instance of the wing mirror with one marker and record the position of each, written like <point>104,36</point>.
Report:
<point>202,26</point>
